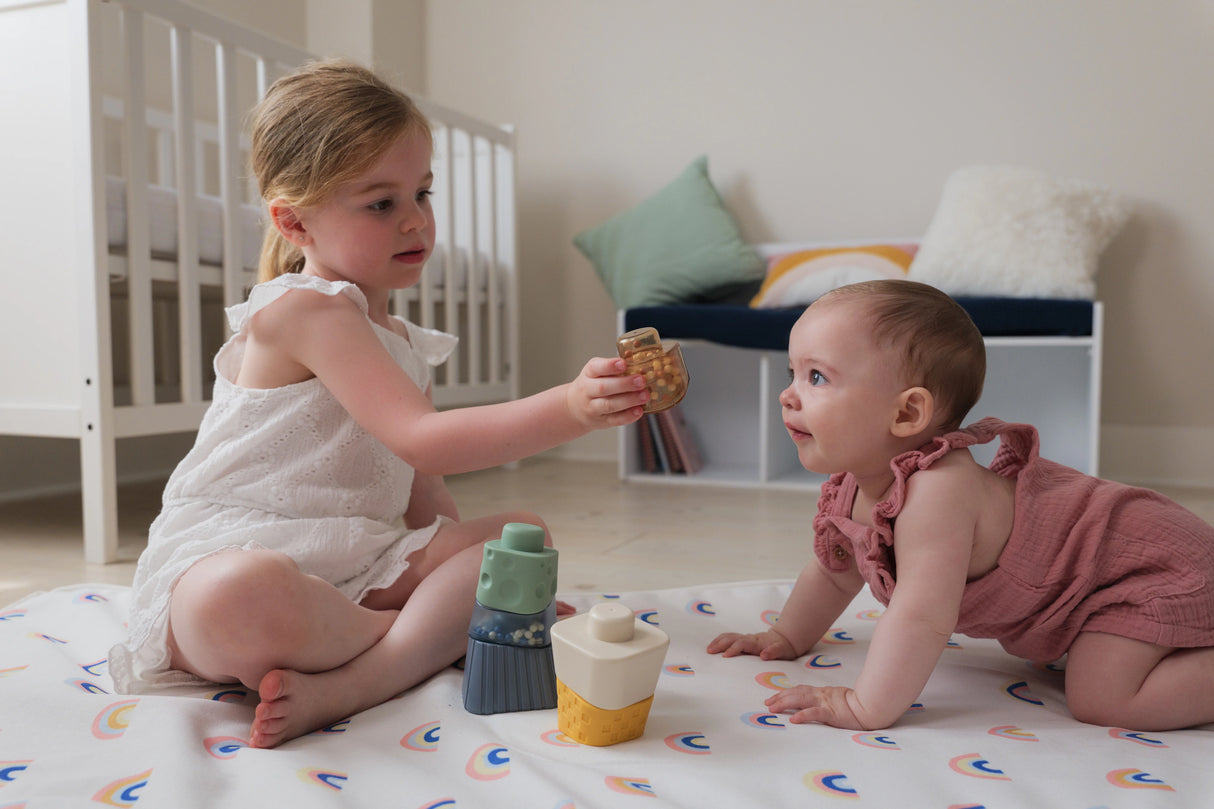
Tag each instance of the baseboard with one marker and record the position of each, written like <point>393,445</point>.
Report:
<point>72,487</point>
<point>1143,456</point>
<point>1157,456</point>
<point>44,467</point>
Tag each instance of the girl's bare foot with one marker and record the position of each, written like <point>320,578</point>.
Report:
<point>292,704</point>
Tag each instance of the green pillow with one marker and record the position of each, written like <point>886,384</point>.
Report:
<point>677,246</point>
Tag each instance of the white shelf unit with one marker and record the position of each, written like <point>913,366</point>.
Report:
<point>732,408</point>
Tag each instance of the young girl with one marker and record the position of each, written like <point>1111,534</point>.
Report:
<point>1045,559</point>
<point>308,547</point>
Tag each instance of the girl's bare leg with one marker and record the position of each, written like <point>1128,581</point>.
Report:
<point>1120,682</point>
<point>430,632</point>
<point>238,614</point>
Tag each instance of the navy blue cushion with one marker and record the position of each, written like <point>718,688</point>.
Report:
<point>744,327</point>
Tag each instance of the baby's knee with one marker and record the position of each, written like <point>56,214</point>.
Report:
<point>1095,706</point>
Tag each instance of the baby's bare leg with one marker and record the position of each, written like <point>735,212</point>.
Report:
<point>1120,682</point>
<point>429,633</point>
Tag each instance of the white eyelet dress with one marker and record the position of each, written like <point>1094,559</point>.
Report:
<point>283,468</point>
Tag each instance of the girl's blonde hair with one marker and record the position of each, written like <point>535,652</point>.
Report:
<point>317,128</point>
<point>942,350</point>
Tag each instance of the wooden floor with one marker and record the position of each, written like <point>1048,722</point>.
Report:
<point>612,536</point>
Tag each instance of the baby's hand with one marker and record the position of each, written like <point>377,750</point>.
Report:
<point>830,705</point>
<point>769,645</point>
<point>604,396</point>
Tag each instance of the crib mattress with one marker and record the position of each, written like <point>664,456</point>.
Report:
<point>162,224</point>
<point>989,730</point>
<point>744,327</point>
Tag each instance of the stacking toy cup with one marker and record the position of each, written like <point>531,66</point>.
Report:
<point>509,662</point>
<point>607,667</point>
<point>660,363</point>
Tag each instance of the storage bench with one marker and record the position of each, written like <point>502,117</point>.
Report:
<point>1043,368</point>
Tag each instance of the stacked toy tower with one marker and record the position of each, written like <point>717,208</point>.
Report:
<point>509,662</point>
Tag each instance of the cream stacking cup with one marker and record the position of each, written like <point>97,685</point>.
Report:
<point>607,666</point>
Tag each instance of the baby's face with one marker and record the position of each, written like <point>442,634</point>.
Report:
<point>842,397</point>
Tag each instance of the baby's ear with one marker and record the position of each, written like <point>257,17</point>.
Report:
<point>287,222</point>
<point>916,408</point>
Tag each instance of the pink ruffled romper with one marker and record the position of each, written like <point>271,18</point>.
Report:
<point>1085,554</point>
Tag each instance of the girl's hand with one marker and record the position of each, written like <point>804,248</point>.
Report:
<point>829,705</point>
<point>603,396</point>
<point>769,645</point>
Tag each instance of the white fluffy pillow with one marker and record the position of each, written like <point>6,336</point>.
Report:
<point>1015,232</point>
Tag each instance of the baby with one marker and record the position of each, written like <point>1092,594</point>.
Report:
<point>1045,559</point>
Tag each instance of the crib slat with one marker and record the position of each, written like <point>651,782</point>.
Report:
<point>492,281</point>
<point>98,457</point>
<point>472,296</point>
<point>189,303</point>
<point>450,321</point>
<point>504,204</point>
<point>139,275</point>
<point>229,173</point>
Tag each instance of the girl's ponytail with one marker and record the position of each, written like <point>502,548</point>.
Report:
<point>278,257</point>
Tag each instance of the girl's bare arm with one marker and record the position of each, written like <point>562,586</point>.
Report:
<point>329,337</point>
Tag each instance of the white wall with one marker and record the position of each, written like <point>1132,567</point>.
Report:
<point>822,120</point>
<point>832,120</point>
<point>388,35</point>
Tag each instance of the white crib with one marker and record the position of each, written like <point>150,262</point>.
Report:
<point>129,222</point>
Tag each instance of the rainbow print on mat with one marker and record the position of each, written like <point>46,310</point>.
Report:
<point>973,764</point>
<point>629,786</point>
<point>124,791</point>
<point>876,740</point>
<point>767,721</point>
<point>1132,778</point>
<point>489,763</point>
<point>831,783</point>
<point>1019,689</point>
<point>114,719</point>
<point>1013,732</point>
<point>693,743</point>
<point>423,738</point>
<point>1137,738</point>
<point>224,747</point>
<point>329,779</point>
<point>775,680</point>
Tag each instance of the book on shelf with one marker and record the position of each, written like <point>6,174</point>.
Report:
<point>668,462</point>
<point>649,452</point>
<point>679,440</point>
<point>667,445</point>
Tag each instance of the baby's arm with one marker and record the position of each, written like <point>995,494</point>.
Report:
<point>329,337</point>
<point>933,540</point>
<point>817,599</point>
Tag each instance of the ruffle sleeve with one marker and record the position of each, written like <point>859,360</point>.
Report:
<point>266,293</point>
<point>432,345</point>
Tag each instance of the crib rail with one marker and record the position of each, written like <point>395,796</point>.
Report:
<point>469,289</point>
<point>215,70</point>
<point>470,285</point>
<point>170,84</point>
